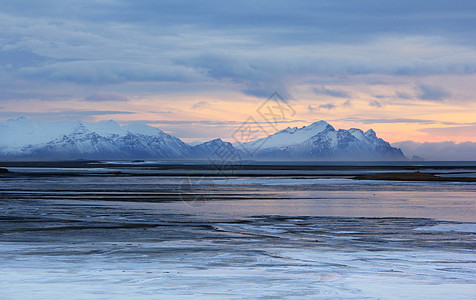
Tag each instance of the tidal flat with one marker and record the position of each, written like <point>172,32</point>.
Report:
<point>81,231</point>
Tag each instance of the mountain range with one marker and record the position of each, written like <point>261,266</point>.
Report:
<point>24,139</point>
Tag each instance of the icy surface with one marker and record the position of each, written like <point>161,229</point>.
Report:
<point>152,237</point>
<point>451,227</point>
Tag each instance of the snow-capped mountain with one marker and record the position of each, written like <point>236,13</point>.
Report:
<point>216,150</point>
<point>320,141</point>
<point>24,139</point>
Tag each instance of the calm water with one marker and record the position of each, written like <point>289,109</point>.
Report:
<point>291,231</point>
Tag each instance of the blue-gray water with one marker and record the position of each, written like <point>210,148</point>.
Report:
<point>258,232</point>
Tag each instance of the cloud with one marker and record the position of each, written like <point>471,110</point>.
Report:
<point>389,121</point>
<point>375,103</point>
<point>255,48</point>
<point>6,95</point>
<point>161,112</point>
<point>20,58</point>
<point>322,21</point>
<point>210,122</point>
<point>455,131</point>
<point>402,95</point>
<point>328,106</point>
<point>331,92</point>
<point>63,115</point>
<point>259,73</point>
<point>439,151</point>
<point>69,112</point>
<point>106,96</point>
<point>200,105</point>
<point>431,93</point>
<point>107,72</point>
<point>463,125</point>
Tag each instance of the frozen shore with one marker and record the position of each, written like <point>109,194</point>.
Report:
<point>122,237</point>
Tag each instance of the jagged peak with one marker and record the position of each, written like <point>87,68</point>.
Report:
<point>290,136</point>
<point>316,126</point>
<point>356,130</point>
<point>79,124</point>
<point>112,122</point>
<point>318,123</point>
<point>370,132</point>
<point>288,130</point>
<point>218,140</point>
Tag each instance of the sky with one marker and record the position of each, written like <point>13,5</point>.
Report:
<point>199,69</point>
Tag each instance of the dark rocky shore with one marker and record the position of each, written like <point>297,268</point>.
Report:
<point>414,176</point>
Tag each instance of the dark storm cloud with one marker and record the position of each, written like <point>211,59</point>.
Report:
<point>256,46</point>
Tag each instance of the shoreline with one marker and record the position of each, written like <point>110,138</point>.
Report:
<point>413,176</point>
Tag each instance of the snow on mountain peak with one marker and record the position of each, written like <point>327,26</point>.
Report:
<point>70,140</point>
<point>20,120</point>
<point>357,133</point>
<point>16,133</point>
<point>290,136</point>
<point>140,128</point>
<point>21,132</point>
<point>370,133</point>
<point>318,124</point>
<point>215,141</point>
<point>19,123</point>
